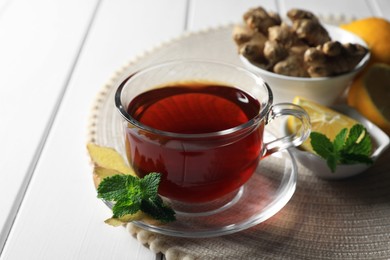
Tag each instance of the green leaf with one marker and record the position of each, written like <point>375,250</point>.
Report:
<point>351,149</point>
<point>354,134</point>
<point>149,184</point>
<point>115,187</point>
<point>126,206</point>
<point>321,144</point>
<point>350,158</point>
<point>358,141</point>
<point>332,161</point>
<point>131,194</point>
<point>339,140</point>
<point>365,145</point>
<point>158,210</point>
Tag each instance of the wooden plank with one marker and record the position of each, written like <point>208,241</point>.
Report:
<point>330,9</point>
<point>39,43</point>
<point>204,14</point>
<point>60,217</point>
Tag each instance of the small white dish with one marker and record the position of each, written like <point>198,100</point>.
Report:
<point>318,166</point>
<point>322,90</point>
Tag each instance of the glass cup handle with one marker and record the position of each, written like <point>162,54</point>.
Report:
<point>294,139</point>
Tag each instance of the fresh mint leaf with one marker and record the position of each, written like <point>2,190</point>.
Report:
<point>347,147</point>
<point>126,206</point>
<point>115,187</point>
<point>332,161</point>
<point>149,184</point>
<point>156,209</point>
<point>321,144</point>
<point>131,194</point>
<point>339,140</point>
<point>350,158</point>
<point>358,141</point>
<point>324,148</point>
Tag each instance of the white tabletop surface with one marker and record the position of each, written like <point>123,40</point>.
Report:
<point>54,58</point>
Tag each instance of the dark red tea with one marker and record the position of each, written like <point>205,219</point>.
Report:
<point>195,169</point>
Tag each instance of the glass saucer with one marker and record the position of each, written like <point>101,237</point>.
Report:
<point>267,192</point>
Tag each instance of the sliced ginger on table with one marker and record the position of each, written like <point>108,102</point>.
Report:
<point>107,163</point>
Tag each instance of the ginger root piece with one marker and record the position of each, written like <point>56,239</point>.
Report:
<point>254,48</point>
<point>311,32</point>
<point>250,43</point>
<point>303,49</point>
<point>274,52</point>
<point>291,66</point>
<point>283,34</point>
<point>258,19</point>
<point>294,64</point>
<point>333,58</point>
<point>299,14</point>
<point>285,50</point>
<point>242,34</point>
<point>281,39</point>
<point>308,28</point>
<point>332,48</point>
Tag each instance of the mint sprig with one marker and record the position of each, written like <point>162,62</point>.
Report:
<point>346,148</point>
<point>132,194</point>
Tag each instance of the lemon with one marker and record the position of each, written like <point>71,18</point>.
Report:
<point>370,95</point>
<point>375,31</point>
<point>323,120</point>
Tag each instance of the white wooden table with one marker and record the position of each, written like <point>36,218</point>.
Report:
<point>54,58</point>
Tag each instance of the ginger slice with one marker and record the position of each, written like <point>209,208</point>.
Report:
<point>139,216</point>
<point>108,158</point>
<point>108,162</point>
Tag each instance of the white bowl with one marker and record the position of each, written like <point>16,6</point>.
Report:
<point>323,90</point>
<point>318,165</point>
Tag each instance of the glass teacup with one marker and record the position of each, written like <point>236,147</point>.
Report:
<point>201,125</point>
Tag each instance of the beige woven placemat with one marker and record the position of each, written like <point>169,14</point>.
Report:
<point>348,219</point>
<point>324,220</point>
